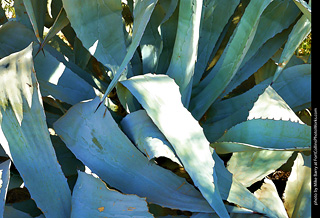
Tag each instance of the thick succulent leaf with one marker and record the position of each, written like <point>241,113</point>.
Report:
<point>294,86</point>
<point>168,35</point>
<point>215,16</point>
<point>231,189</point>
<point>222,115</point>
<point>249,167</point>
<point>258,60</point>
<point>36,10</point>
<point>59,81</point>
<point>279,15</point>
<point>304,7</point>
<point>151,42</point>
<point>297,195</point>
<point>160,97</point>
<point>185,49</point>
<point>60,22</point>
<point>147,137</point>
<point>269,134</point>
<point>97,141</point>
<point>25,138</point>
<point>98,24</point>
<point>299,32</point>
<point>92,198</point>
<point>142,12</point>
<point>11,212</point>
<point>4,183</point>
<point>268,194</point>
<point>55,77</point>
<point>231,147</point>
<point>232,58</point>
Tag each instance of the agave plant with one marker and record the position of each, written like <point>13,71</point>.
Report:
<point>153,108</point>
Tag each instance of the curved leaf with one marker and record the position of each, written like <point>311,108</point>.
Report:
<point>294,86</point>
<point>304,7</point>
<point>98,24</point>
<point>160,97</point>
<point>215,16</point>
<point>97,141</point>
<point>185,49</point>
<point>55,77</point>
<point>273,134</point>
<point>25,138</point>
<point>142,12</point>
<point>297,195</point>
<point>148,138</point>
<point>232,58</point>
<point>36,10</point>
<point>268,194</point>
<point>92,198</point>
<point>299,32</point>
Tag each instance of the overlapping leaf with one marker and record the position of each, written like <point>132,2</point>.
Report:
<point>91,198</point>
<point>160,97</point>
<point>25,138</point>
<point>97,141</point>
<point>232,58</point>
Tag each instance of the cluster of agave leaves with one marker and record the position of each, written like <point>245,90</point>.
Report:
<point>100,159</point>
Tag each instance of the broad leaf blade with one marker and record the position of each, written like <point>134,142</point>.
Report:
<point>92,198</point>
<point>148,138</point>
<point>271,134</point>
<point>98,24</point>
<point>97,141</point>
<point>297,195</point>
<point>55,77</point>
<point>233,56</point>
<point>160,97</point>
<point>25,138</point>
<point>36,10</point>
<point>185,49</point>
<point>299,32</point>
<point>304,7</point>
<point>294,86</point>
<point>268,194</point>
<point>142,12</point>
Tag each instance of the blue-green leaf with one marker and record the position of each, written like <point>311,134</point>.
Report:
<point>251,166</point>
<point>25,138</point>
<point>294,86</point>
<point>142,12</point>
<point>4,183</point>
<point>147,137</point>
<point>98,24</point>
<point>92,198</point>
<point>265,134</point>
<point>231,189</point>
<point>299,32</point>
<point>215,16</point>
<point>160,97</point>
<point>36,10</point>
<point>60,22</point>
<point>185,49</point>
<point>304,7</point>
<point>55,77</point>
<point>232,58</point>
<point>97,141</point>
<point>151,42</point>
